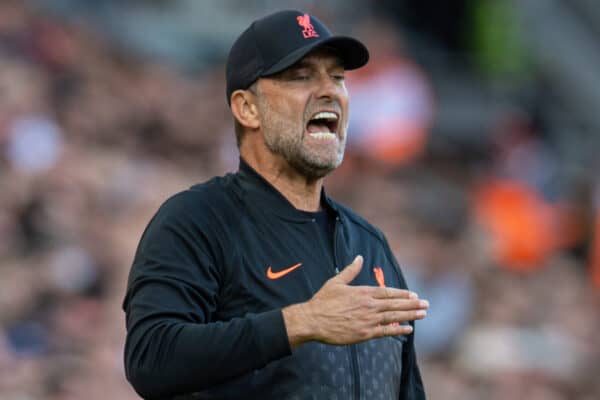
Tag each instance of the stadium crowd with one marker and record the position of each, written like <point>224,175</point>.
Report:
<point>93,139</point>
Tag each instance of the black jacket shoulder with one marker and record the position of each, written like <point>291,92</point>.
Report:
<point>356,219</point>
<point>201,201</point>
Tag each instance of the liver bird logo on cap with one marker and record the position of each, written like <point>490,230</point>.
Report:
<point>309,29</point>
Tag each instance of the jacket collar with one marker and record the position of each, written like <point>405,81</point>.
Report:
<point>260,192</point>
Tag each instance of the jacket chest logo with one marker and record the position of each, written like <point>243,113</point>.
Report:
<point>281,273</point>
<point>380,278</point>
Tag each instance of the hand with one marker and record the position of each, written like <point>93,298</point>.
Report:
<point>342,314</point>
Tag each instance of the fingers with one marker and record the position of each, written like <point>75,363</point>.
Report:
<point>393,330</point>
<point>391,317</point>
<point>391,293</point>
<point>402,305</point>
<point>346,314</point>
<point>350,272</point>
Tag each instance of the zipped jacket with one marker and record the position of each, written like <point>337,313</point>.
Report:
<point>213,270</point>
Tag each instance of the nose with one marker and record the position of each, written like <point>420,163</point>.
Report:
<point>329,88</point>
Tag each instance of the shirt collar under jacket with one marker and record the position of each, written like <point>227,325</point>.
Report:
<point>259,190</point>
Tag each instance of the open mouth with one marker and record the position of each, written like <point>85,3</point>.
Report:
<point>323,125</point>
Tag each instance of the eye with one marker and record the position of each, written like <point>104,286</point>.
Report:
<point>298,74</point>
<point>301,77</point>
<point>338,77</point>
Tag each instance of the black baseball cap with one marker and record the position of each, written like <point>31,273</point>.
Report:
<point>275,42</point>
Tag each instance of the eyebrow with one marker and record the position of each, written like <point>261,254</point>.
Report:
<point>302,64</point>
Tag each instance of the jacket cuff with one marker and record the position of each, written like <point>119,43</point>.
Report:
<point>272,340</point>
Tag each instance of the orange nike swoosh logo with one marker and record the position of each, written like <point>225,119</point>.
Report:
<point>283,272</point>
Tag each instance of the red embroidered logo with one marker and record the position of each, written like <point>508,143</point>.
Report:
<point>381,282</point>
<point>379,276</point>
<point>309,29</point>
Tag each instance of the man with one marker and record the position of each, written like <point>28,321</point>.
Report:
<point>257,285</point>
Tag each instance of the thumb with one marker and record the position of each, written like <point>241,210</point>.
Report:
<point>351,271</point>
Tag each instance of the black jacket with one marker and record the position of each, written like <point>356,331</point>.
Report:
<point>204,319</point>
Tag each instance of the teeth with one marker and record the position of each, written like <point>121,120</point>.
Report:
<point>323,135</point>
<point>325,115</point>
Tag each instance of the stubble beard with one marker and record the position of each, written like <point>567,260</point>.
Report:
<point>281,140</point>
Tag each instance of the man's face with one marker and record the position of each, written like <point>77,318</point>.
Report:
<point>304,113</point>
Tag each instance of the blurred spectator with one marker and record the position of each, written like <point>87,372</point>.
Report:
<point>440,267</point>
<point>520,222</point>
<point>34,144</point>
<point>392,102</point>
<point>520,202</point>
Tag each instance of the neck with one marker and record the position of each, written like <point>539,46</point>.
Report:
<point>304,194</point>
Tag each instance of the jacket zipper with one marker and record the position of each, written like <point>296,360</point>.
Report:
<point>355,371</point>
<point>353,354</point>
<point>335,232</point>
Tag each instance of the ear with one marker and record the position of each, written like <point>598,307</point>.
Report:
<point>244,109</point>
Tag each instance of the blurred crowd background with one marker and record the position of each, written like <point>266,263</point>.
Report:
<point>474,144</point>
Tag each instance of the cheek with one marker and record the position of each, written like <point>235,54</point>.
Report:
<point>280,109</point>
<point>345,106</point>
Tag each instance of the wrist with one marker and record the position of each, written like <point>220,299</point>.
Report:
<point>298,324</point>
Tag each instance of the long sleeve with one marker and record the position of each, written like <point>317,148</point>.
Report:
<point>174,344</point>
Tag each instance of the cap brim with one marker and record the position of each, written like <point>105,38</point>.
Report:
<point>354,54</point>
